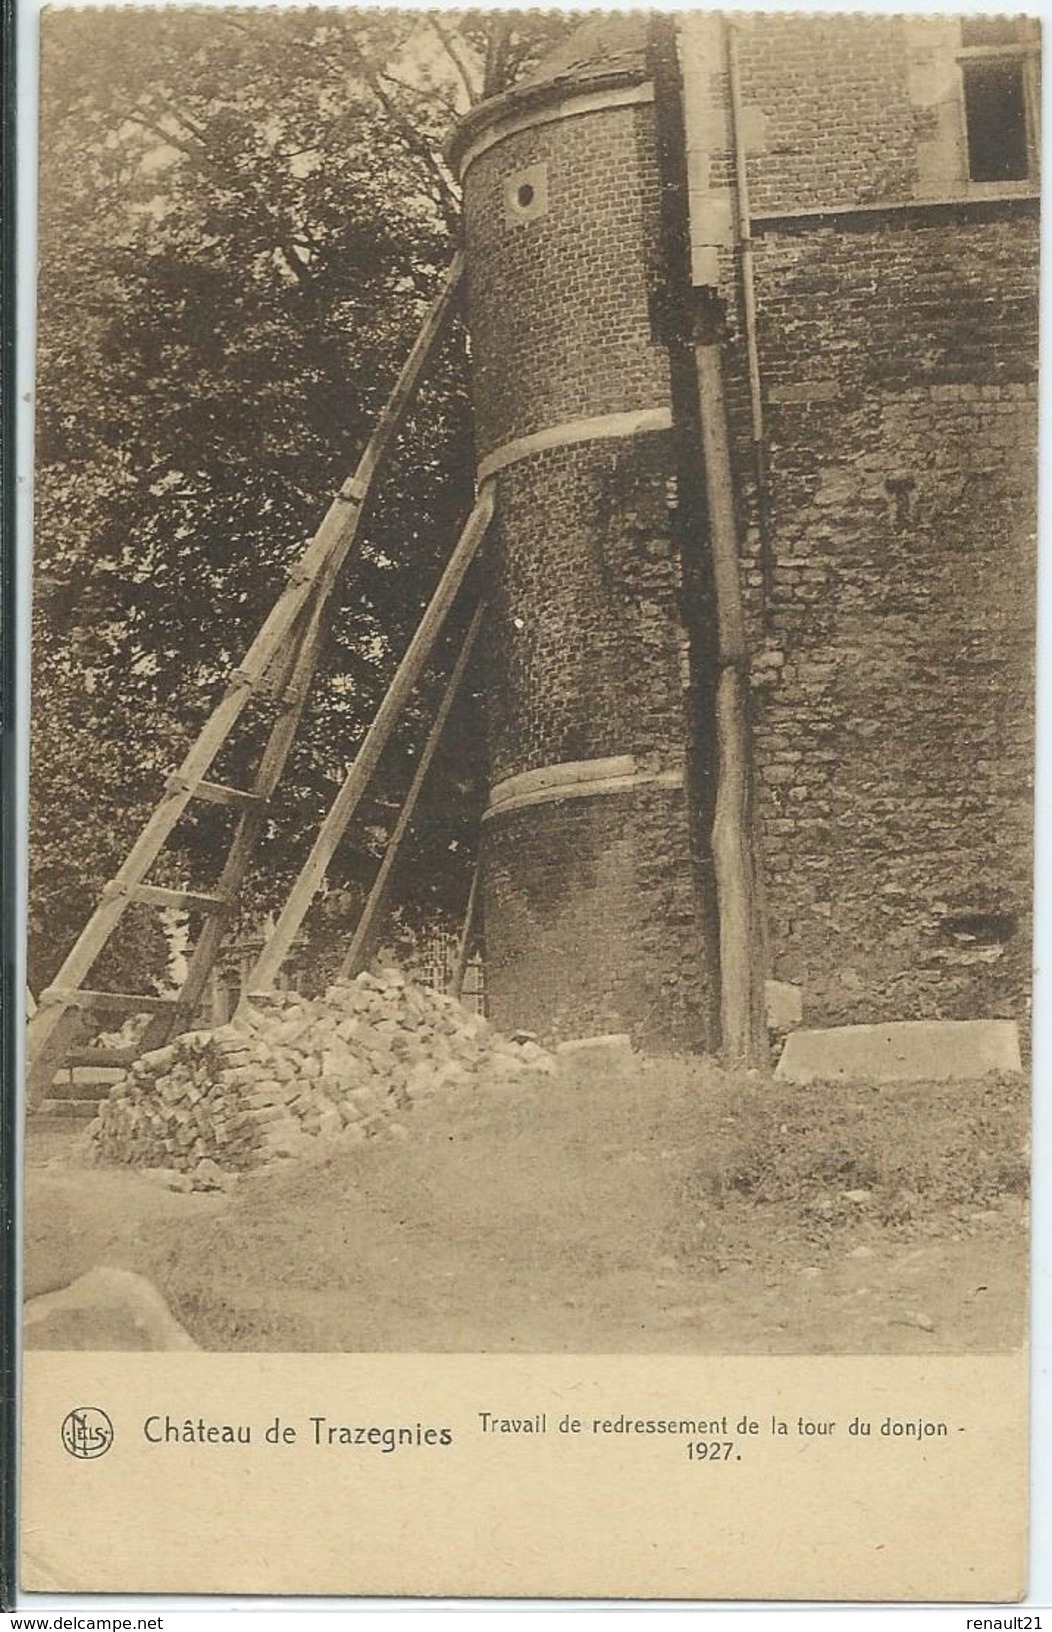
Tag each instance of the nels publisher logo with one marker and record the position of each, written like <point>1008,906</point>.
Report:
<point>87,1432</point>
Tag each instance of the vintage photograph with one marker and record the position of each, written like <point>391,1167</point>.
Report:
<point>533,668</point>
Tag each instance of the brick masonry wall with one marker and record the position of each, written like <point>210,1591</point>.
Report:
<point>893,641</point>
<point>830,114</point>
<point>893,682</point>
<point>584,652</point>
<point>560,303</point>
<point>837,110</point>
<point>592,919</point>
<point>893,626</point>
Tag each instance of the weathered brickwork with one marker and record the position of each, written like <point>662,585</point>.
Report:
<point>592,918</point>
<point>887,561</point>
<point>830,110</point>
<point>918,299</point>
<point>838,111</point>
<point>584,657</point>
<point>893,648</point>
<point>560,302</point>
<point>893,720</point>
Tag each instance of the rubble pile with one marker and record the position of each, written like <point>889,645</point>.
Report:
<point>289,1070</point>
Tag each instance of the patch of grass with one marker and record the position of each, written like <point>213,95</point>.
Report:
<point>810,1161</point>
<point>503,1212</point>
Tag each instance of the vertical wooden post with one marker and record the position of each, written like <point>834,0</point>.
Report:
<point>741,972</point>
<point>358,951</point>
<point>456,985</point>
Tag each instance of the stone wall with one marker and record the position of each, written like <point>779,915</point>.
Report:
<point>893,627</point>
<point>887,556</point>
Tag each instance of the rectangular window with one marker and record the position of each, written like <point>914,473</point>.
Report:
<point>995,117</point>
<point>998,60</point>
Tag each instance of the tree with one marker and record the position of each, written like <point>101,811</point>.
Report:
<point>243,216</point>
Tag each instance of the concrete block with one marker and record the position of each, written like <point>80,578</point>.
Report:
<point>902,1051</point>
<point>784,1003</point>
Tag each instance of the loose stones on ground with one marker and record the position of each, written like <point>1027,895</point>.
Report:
<point>290,1072</point>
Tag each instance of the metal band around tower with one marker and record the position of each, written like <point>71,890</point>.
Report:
<point>574,779</point>
<point>634,423</point>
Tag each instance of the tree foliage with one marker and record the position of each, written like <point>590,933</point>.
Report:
<point>243,216</point>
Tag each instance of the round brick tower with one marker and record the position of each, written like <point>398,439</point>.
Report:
<point>593,912</point>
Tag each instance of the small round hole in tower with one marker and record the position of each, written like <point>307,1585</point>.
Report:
<point>525,196</point>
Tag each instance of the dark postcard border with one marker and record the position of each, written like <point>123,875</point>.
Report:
<point>9,804</point>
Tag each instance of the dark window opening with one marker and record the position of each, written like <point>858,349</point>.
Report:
<point>525,196</point>
<point>995,113</point>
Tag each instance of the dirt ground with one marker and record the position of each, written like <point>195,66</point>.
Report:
<point>619,1215</point>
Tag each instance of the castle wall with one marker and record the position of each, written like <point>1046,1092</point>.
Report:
<point>887,552</point>
<point>893,624</point>
<point>592,918</point>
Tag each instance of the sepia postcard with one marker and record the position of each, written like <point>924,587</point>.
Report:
<point>531,804</point>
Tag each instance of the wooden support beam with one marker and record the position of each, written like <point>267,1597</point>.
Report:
<point>360,773</point>
<point>156,895</point>
<point>467,932</point>
<point>741,969</point>
<point>108,1058</point>
<point>358,951</point>
<point>246,836</point>
<point>108,1002</point>
<point>48,1033</point>
<point>215,794</point>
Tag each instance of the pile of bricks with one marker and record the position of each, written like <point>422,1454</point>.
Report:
<point>290,1071</point>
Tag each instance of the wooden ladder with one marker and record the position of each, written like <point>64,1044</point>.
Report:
<point>279,663</point>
